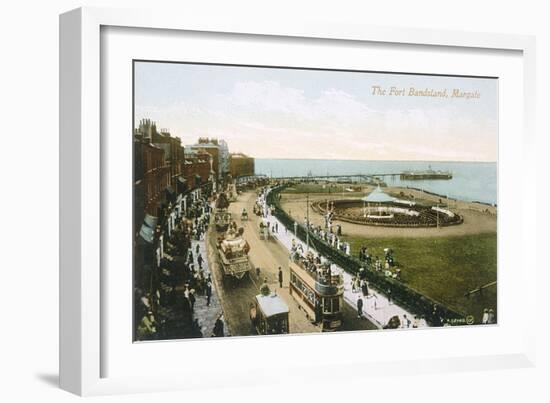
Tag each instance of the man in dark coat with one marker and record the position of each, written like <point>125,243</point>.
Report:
<point>192,299</point>
<point>318,311</point>
<point>200,260</point>
<point>365,288</point>
<point>208,292</point>
<point>218,328</point>
<point>280,277</point>
<point>359,307</point>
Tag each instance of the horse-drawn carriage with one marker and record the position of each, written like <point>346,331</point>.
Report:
<point>257,209</point>
<point>222,217</point>
<point>233,252</point>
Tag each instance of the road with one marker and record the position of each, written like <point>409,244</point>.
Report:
<point>269,255</point>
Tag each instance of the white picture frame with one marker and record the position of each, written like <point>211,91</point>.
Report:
<point>82,339</point>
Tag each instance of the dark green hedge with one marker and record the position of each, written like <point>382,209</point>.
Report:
<point>410,299</point>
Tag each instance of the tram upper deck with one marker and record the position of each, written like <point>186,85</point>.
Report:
<point>319,277</point>
<point>318,290</point>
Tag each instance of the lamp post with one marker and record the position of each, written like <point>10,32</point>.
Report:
<point>307,224</point>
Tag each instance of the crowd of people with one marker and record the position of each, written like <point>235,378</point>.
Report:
<point>167,311</point>
<point>333,238</point>
<point>388,265</point>
<point>329,236</point>
<point>313,263</point>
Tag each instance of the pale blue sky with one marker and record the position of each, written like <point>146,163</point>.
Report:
<point>290,113</point>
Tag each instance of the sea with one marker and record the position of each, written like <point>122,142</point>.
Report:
<point>472,181</point>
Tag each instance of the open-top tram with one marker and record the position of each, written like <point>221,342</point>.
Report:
<point>233,253</point>
<point>318,291</point>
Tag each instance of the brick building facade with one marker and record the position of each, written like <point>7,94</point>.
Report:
<point>174,155</point>
<point>212,147</point>
<point>151,178</point>
<point>241,165</point>
<point>197,168</point>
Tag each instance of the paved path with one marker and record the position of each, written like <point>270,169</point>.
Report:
<point>206,314</point>
<point>235,295</point>
<point>376,307</point>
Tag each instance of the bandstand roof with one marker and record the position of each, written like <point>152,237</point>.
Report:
<point>378,196</point>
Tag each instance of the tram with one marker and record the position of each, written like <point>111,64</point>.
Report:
<point>319,293</point>
<point>269,314</point>
<point>233,253</point>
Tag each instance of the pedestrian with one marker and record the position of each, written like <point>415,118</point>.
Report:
<point>280,277</point>
<point>364,288</point>
<point>218,327</point>
<point>485,318</point>
<point>276,227</point>
<point>258,272</point>
<point>192,299</point>
<point>208,293</point>
<point>186,291</point>
<point>199,261</point>
<point>359,307</point>
<point>406,322</point>
<point>318,311</point>
<point>264,288</point>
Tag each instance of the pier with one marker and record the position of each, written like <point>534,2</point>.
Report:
<point>371,177</point>
<point>345,177</point>
<point>423,175</point>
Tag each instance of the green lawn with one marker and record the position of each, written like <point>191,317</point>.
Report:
<point>444,268</point>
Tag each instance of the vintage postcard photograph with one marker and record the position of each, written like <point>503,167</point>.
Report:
<point>273,200</point>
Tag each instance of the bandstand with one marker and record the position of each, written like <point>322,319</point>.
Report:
<point>378,208</point>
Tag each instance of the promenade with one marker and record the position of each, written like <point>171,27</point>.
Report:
<point>206,314</point>
<point>377,307</point>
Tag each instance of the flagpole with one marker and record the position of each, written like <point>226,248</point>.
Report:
<point>307,224</point>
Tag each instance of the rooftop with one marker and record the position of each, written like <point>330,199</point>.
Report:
<point>378,196</point>
<point>271,304</point>
<point>239,155</point>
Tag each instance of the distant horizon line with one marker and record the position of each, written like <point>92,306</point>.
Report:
<point>368,160</point>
